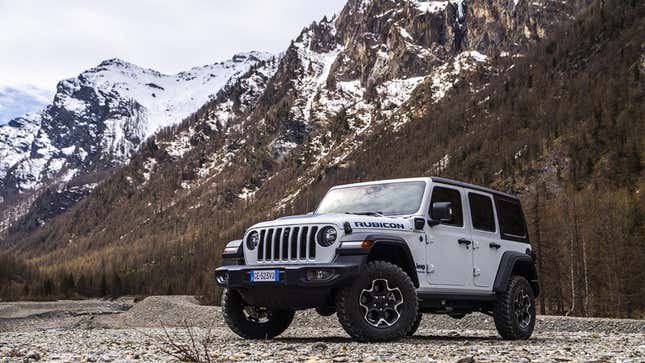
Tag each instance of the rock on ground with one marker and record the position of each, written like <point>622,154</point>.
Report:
<point>101,331</point>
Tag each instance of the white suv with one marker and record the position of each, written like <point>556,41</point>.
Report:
<point>380,254</point>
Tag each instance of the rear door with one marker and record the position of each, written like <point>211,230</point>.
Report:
<point>449,259</point>
<point>487,247</point>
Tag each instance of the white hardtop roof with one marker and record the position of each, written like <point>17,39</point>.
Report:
<point>428,180</point>
<point>383,181</point>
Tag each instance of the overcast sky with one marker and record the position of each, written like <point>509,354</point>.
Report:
<point>42,42</point>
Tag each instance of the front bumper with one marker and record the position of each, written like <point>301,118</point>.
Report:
<point>340,271</point>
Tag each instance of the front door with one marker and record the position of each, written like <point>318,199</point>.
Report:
<point>449,250</point>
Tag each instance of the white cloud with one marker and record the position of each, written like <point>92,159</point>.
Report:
<point>17,101</point>
<point>42,42</point>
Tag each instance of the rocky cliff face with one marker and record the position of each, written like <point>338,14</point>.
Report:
<point>342,81</point>
<point>96,122</point>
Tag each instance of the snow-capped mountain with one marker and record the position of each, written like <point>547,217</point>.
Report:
<point>98,119</point>
<point>343,81</point>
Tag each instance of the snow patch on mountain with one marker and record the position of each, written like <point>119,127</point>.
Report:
<point>97,120</point>
<point>430,6</point>
<point>115,106</point>
<point>447,75</point>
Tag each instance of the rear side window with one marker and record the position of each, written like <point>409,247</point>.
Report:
<point>511,220</point>
<point>441,194</point>
<point>481,212</point>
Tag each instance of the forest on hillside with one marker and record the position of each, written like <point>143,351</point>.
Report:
<point>562,127</point>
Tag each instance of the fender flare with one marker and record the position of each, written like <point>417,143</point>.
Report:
<point>508,263</point>
<point>384,240</point>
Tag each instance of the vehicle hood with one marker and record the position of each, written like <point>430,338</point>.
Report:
<point>359,223</point>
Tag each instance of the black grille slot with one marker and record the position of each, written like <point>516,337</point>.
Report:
<point>269,245</point>
<point>294,243</point>
<point>303,243</point>
<point>284,252</point>
<point>261,245</point>
<point>276,244</point>
<point>312,243</point>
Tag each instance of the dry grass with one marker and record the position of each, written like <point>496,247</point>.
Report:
<point>188,347</point>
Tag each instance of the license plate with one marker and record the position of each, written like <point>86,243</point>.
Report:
<point>265,276</point>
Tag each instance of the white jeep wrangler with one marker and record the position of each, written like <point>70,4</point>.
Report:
<point>380,254</point>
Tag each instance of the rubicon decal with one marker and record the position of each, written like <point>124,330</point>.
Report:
<point>379,225</point>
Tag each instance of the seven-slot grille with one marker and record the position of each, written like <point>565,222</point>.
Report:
<point>287,243</point>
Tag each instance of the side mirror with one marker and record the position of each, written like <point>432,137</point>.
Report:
<point>441,212</point>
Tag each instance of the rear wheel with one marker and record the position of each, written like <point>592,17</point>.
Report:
<point>380,305</point>
<point>253,322</point>
<point>514,312</point>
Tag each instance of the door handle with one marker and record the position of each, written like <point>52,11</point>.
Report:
<point>463,241</point>
<point>494,245</point>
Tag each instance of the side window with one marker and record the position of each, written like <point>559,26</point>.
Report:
<point>481,212</point>
<point>441,194</point>
<point>511,219</point>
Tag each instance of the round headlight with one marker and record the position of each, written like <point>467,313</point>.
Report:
<point>327,236</point>
<point>252,240</point>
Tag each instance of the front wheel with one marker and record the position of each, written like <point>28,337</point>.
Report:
<point>415,325</point>
<point>380,305</point>
<point>514,312</point>
<point>252,322</point>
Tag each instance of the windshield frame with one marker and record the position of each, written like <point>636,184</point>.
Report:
<point>418,211</point>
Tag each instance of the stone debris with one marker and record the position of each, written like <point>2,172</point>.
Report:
<point>137,336</point>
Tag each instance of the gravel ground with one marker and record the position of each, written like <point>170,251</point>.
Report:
<point>96,330</point>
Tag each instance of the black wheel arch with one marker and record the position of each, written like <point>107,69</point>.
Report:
<point>389,248</point>
<point>516,263</point>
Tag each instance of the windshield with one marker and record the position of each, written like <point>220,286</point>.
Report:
<point>387,199</point>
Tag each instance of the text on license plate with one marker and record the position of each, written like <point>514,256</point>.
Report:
<point>265,276</point>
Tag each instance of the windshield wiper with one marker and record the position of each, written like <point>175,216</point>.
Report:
<point>377,214</point>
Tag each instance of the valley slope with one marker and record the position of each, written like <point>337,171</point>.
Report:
<point>500,93</point>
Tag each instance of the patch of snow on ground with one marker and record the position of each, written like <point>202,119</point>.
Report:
<point>441,165</point>
<point>396,92</point>
<point>68,175</point>
<point>181,144</point>
<point>247,193</point>
<point>404,33</point>
<point>430,6</point>
<point>148,167</point>
<point>68,150</point>
<point>447,75</point>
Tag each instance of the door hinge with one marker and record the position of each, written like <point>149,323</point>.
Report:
<point>430,268</point>
<point>475,245</point>
<point>476,272</point>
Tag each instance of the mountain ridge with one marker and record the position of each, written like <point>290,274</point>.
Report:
<point>98,119</point>
<point>394,95</point>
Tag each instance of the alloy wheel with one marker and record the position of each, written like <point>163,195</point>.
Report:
<point>522,309</point>
<point>381,304</point>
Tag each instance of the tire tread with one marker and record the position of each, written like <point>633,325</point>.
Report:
<point>503,310</point>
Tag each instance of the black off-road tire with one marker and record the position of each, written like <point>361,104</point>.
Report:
<point>351,314</point>
<point>326,310</point>
<point>506,320</point>
<point>233,310</point>
<point>415,325</point>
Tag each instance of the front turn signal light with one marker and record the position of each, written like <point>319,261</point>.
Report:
<point>366,244</point>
